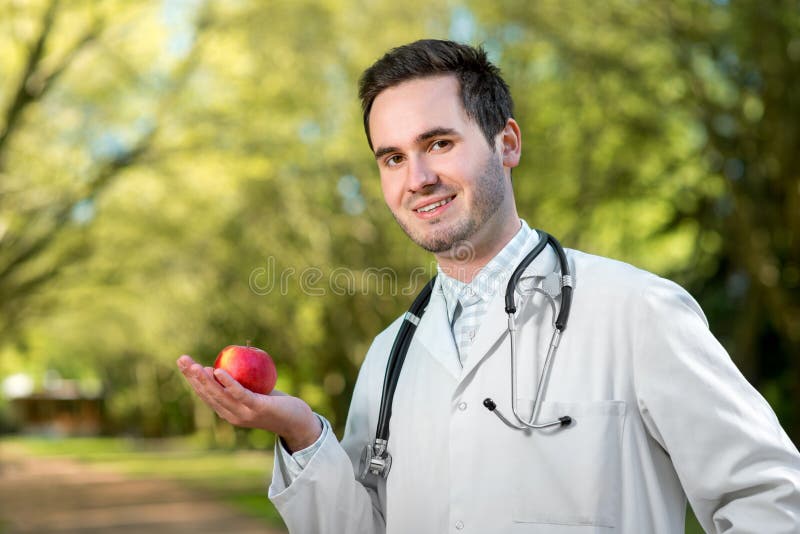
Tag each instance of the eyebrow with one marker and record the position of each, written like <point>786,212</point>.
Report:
<point>421,138</point>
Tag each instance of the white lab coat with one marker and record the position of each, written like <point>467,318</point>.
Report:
<point>660,413</point>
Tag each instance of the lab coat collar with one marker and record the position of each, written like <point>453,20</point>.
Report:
<point>434,330</point>
<point>491,276</point>
<point>494,327</point>
<point>435,334</point>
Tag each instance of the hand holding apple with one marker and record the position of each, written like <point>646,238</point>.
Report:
<point>289,417</point>
<point>250,366</point>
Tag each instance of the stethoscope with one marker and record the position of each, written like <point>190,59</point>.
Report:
<point>376,458</point>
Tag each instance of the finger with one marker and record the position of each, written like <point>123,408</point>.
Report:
<point>190,369</point>
<point>204,377</point>
<point>209,371</point>
<point>208,389</point>
<point>184,362</point>
<point>223,394</point>
<point>225,378</point>
<point>204,385</point>
<point>233,388</point>
<point>187,368</point>
<point>230,397</point>
<point>225,414</point>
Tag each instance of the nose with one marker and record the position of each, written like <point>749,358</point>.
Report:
<point>420,175</point>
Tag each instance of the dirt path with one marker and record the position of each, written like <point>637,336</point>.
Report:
<point>59,496</point>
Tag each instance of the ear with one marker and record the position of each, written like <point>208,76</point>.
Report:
<point>511,144</point>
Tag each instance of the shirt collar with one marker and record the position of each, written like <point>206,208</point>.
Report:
<point>491,278</point>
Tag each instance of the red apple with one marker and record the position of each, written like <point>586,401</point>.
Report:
<point>251,367</point>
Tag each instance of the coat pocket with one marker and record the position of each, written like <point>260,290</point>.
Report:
<point>569,476</point>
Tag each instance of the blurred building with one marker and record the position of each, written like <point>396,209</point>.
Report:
<point>59,408</point>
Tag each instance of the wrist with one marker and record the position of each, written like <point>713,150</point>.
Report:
<point>304,435</point>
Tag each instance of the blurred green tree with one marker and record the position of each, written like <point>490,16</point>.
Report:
<point>667,134</point>
<point>77,116</point>
<point>179,176</point>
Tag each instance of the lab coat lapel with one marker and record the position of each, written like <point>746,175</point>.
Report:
<point>494,327</point>
<point>435,335</point>
<point>492,330</point>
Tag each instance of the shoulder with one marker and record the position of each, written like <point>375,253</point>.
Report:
<point>378,353</point>
<point>599,279</point>
<point>598,272</point>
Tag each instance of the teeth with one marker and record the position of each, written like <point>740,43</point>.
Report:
<point>435,205</point>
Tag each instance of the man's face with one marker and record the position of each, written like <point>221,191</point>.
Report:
<point>440,178</point>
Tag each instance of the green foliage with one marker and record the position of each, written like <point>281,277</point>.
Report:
<point>670,139</point>
<point>179,176</point>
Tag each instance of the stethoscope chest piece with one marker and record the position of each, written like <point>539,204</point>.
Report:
<point>376,460</point>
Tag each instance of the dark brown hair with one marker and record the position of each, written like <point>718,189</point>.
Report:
<point>484,94</point>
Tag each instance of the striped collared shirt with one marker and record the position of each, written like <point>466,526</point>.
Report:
<point>466,303</point>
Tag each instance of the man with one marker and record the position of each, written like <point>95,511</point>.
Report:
<point>658,411</point>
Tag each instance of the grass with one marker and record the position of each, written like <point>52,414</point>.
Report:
<point>239,478</point>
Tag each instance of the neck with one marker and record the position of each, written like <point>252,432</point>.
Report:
<point>464,263</point>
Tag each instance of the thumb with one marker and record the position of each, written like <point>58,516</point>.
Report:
<point>224,378</point>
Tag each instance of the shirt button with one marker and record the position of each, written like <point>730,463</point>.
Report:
<point>459,525</point>
<point>471,334</point>
<point>462,406</point>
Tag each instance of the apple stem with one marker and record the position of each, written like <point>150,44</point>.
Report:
<point>248,342</point>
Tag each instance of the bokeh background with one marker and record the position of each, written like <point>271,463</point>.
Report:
<point>171,171</point>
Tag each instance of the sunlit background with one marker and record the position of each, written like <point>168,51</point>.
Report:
<point>181,175</point>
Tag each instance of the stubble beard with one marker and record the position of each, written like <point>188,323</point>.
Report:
<point>489,195</point>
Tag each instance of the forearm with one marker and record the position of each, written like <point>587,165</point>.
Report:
<point>316,490</point>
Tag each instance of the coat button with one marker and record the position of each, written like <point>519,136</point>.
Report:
<point>459,525</point>
<point>462,406</point>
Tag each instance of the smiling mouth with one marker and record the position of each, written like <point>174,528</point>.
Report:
<point>434,205</point>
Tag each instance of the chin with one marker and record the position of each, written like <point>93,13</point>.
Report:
<point>444,240</point>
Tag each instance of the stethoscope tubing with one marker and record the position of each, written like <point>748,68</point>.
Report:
<point>376,458</point>
<point>559,325</point>
<point>398,355</point>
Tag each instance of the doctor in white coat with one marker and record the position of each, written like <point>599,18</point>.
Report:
<point>659,412</point>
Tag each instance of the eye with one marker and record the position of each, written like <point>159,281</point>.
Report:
<point>440,144</point>
<point>393,161</point>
